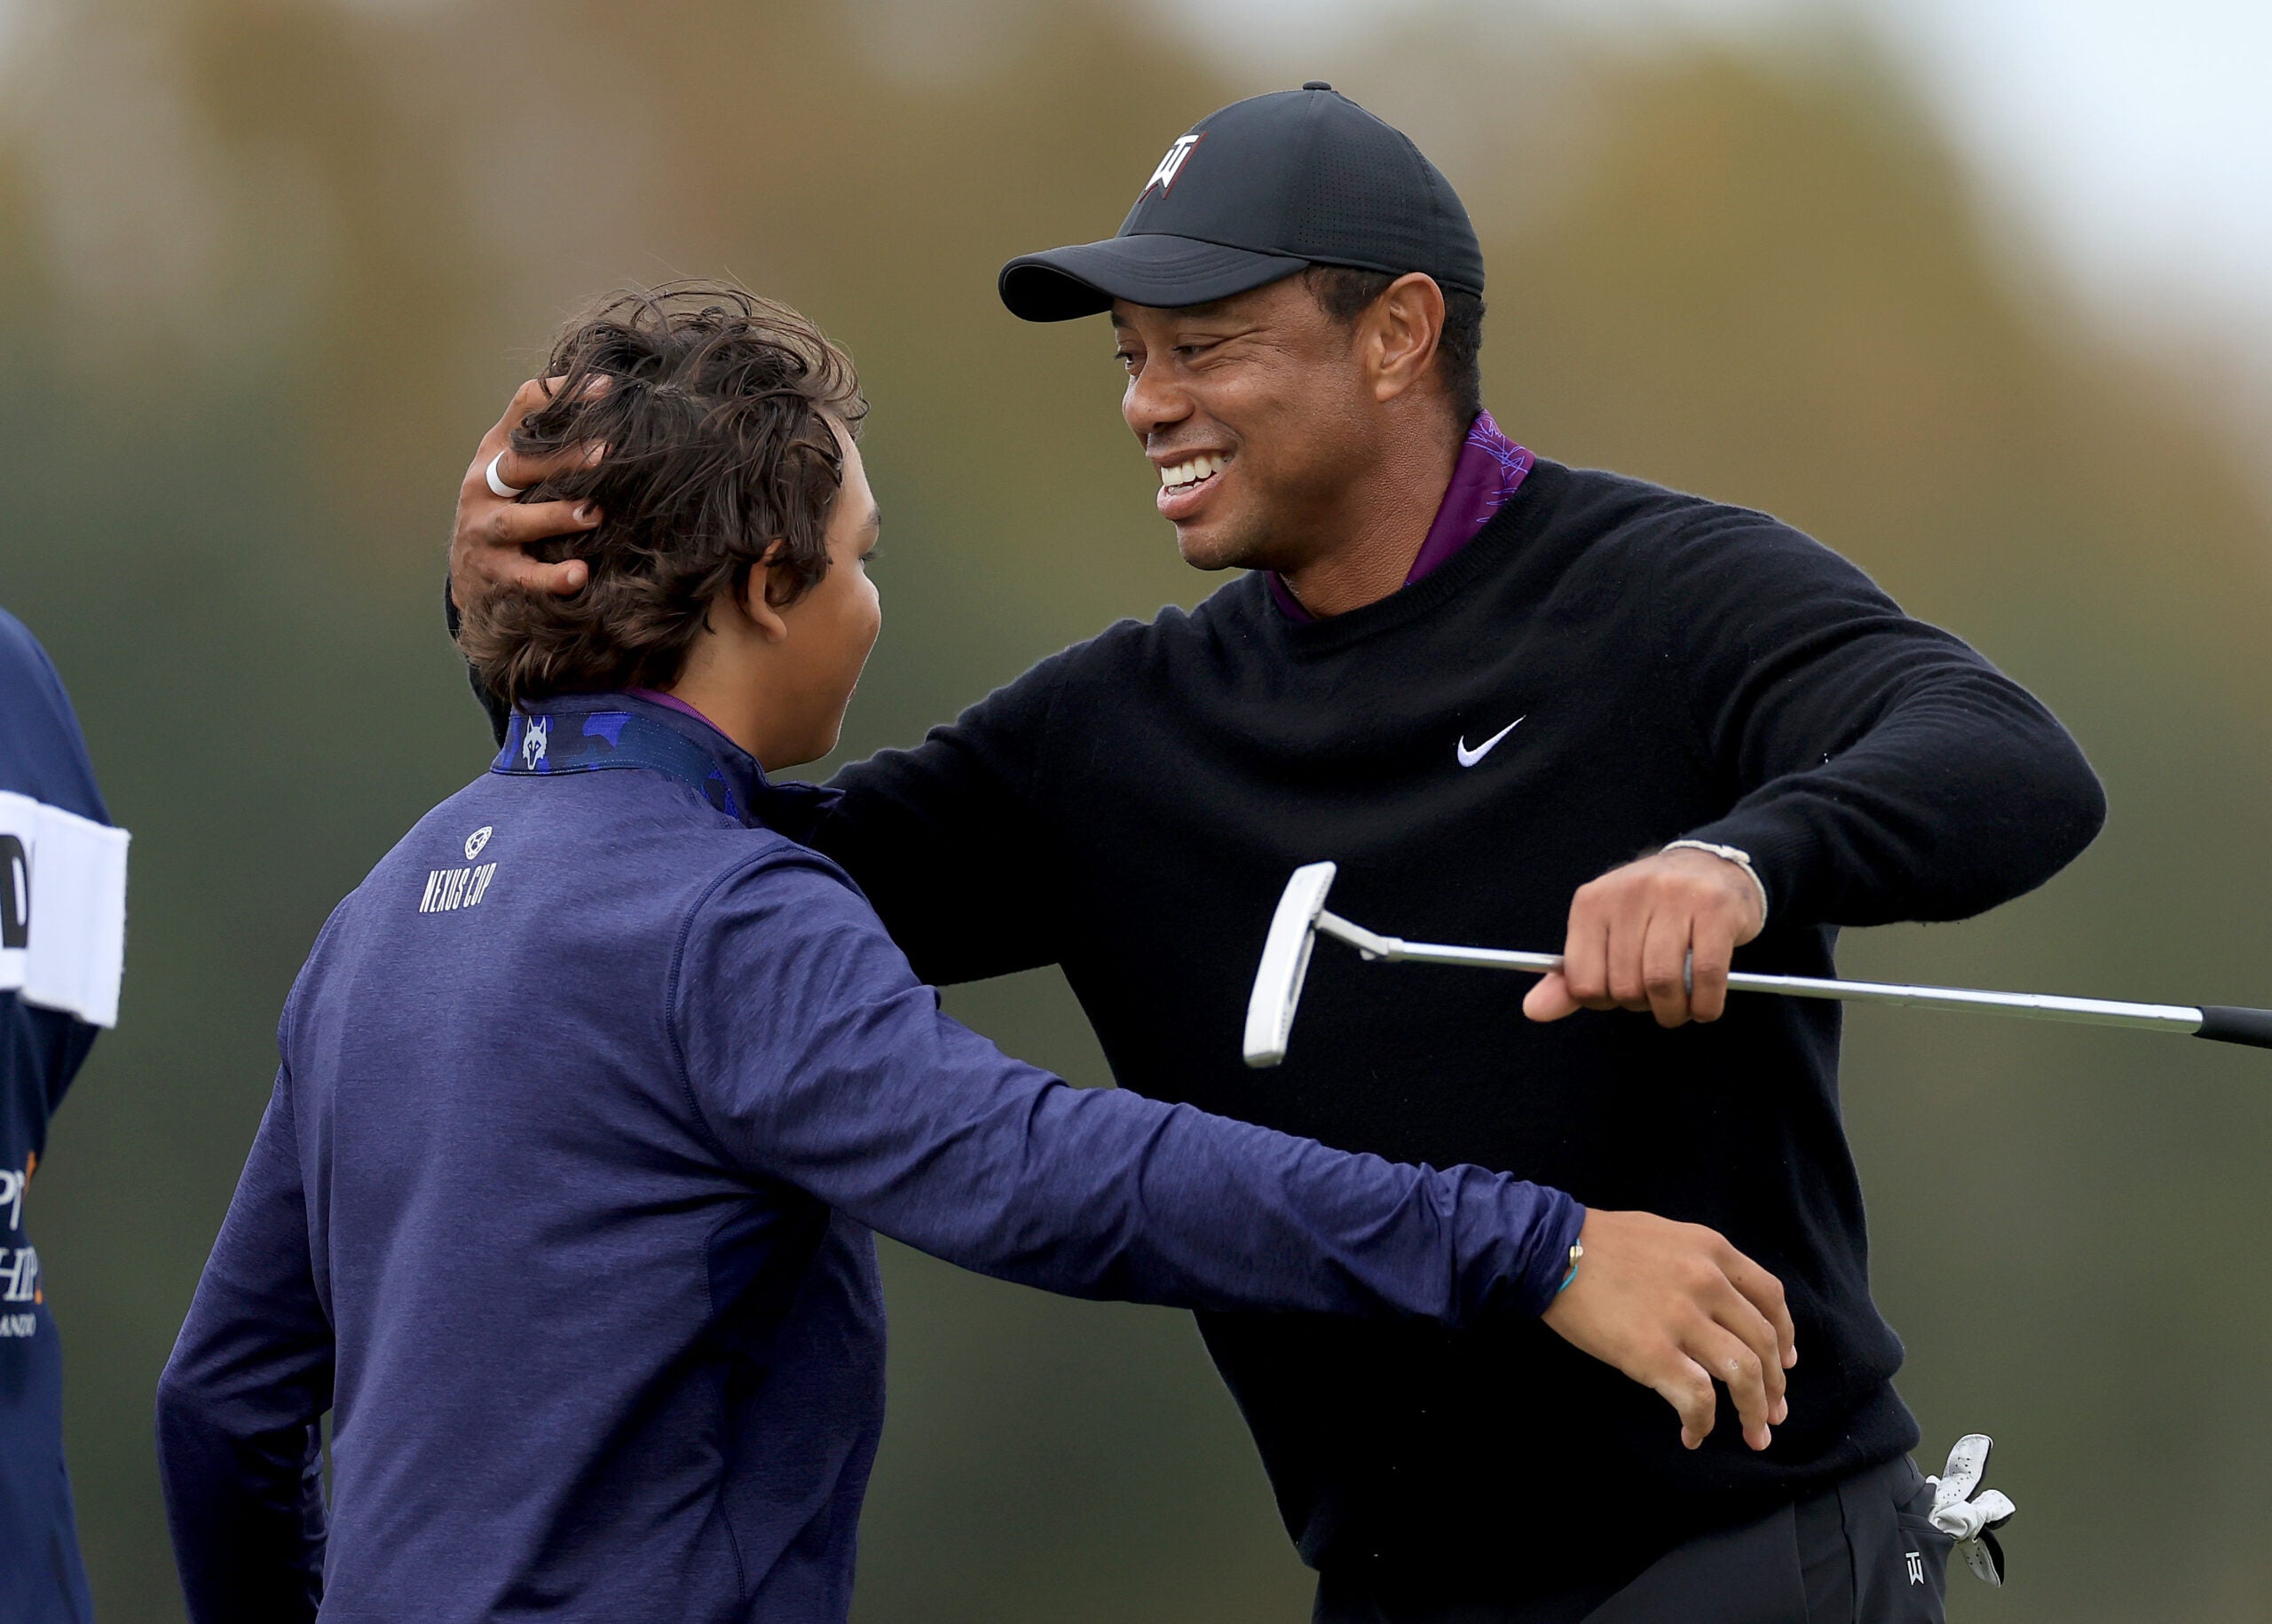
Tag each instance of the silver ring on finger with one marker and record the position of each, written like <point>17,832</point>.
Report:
<point>507,492</point>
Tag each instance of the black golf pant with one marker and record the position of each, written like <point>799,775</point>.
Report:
<point>1861,1553</point>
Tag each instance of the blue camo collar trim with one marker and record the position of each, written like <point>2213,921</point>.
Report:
<point>602,732</point>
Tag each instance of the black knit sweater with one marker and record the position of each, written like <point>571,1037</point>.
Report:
<point>1131,808</point>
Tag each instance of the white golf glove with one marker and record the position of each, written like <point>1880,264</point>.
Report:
<point>1968,1514</point>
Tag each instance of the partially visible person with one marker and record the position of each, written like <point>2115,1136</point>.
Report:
<point>62,920</point>
<point>592,1092</point>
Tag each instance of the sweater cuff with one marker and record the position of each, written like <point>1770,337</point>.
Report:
<point>1785,859</point>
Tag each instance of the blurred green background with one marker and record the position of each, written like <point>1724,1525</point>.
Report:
<point>270,266</point>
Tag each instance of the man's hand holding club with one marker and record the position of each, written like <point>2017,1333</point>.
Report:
<point>1656,934</point>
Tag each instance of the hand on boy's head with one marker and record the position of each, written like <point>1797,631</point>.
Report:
<point>487,548</point>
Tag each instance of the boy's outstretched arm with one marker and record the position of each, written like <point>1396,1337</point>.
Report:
<point>816,1058</point>
<point>239,1449</point>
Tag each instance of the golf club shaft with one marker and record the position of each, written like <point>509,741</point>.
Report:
<point>2179,1017</point>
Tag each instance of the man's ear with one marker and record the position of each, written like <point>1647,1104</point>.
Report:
<point>756,599</point>
<point>1400,333</point>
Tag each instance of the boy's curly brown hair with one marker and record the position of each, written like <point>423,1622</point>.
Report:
<point>718,411</point>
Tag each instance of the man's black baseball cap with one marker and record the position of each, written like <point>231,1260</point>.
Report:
<point>1257,191</point>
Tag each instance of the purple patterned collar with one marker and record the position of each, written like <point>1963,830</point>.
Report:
<point>1490,470</point>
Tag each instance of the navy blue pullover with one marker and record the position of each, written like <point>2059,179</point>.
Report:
<point>590,1095</point>
<point>44,756</point>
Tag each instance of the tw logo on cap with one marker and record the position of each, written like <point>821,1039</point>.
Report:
<point>1172,165</point>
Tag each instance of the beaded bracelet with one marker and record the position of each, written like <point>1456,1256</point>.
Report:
<point>1577,1250</point>
<point>1729,853</point>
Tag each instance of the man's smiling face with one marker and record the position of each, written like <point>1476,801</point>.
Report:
<point>1257,416</point>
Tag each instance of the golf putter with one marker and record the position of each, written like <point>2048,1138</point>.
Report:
<point>1302,918</point>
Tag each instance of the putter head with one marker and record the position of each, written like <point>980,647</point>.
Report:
<point>1285,962</point>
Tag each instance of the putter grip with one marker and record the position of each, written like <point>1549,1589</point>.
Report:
<point>2224,1024</point>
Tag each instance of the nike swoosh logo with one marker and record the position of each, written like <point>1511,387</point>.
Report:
<point>1469,758</point>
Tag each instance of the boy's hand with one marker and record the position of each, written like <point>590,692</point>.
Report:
<point>485,548</point>
<point>1677,1308</point>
